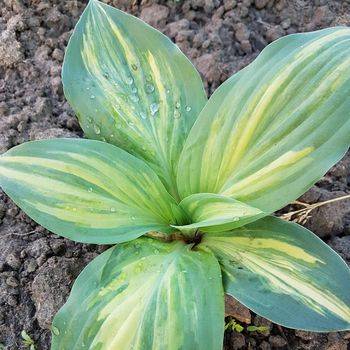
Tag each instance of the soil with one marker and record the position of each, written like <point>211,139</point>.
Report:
<point>37,268</point>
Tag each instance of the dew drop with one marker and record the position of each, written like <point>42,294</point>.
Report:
<point>134,98</point>
<point>133,218</point>
<point>129,80</point>
<point>55,330</point>
<point>143,115</point>
<point>177,114</point>
<point>156,251</point>
<point>134,90</point>
<point>168,91</point>
<point>154,107</point>
<point>92,97</point>
<point>149,77</point>
<point>131,123</point>
<point>112,209</point>
<point>177,105</point>
<point>88,88</point>
<point>235,218</point>
<point>134,66</point>
<point>97,129</point>
<point>188,108</point>
<point>106,75</point>
<point>149,88</point>
<point>90,189</point>
<point>90,120</point>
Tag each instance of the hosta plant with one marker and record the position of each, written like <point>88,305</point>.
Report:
<point>197,179</point>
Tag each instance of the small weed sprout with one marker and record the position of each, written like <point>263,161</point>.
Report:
<point>27,340</point>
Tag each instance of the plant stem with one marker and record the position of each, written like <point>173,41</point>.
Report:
<point>165,237</point>
<point>309,207</point>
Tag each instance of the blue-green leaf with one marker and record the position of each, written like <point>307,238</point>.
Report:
<point>131,86</point>
<point>275,128</point>
<point>214,213</point>
<point>145,295</point>
<point>87,190</point>
<point>285,273</point>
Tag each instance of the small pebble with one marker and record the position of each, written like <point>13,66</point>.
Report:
<point>277,341</point>
<point>13,261</point>
<point>12,281</point>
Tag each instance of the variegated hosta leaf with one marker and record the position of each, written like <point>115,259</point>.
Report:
<point>150,295</point>
<point>131,86</point>
<point>215,213</point>
<point>285,273</point>
<point>87,190</point>
<point>272,130</point>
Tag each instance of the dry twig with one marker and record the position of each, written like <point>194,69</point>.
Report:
<point>302,215</point>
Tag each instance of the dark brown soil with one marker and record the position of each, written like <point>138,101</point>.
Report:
<point>37,268</point>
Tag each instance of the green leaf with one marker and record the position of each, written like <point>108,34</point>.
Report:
<point>260,329</point>
<point>215,213</point>
<point>87,190</point>
<point>130,85</point>
<point>286,274</point>
<point>26,337</point>
<point>275,128</point>
<point>145,295</point>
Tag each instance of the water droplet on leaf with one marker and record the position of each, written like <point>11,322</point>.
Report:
<point>134,98</point>
<point>55,330</point>
<point>177,105</point>
<point>92,97</point>
<point>154,107</point>
<point>112,209</point>
<point>129,80</point>
<point>143,115</point>
<point>188,109</point>
<point>149,88</point>
<point>97,129</point>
